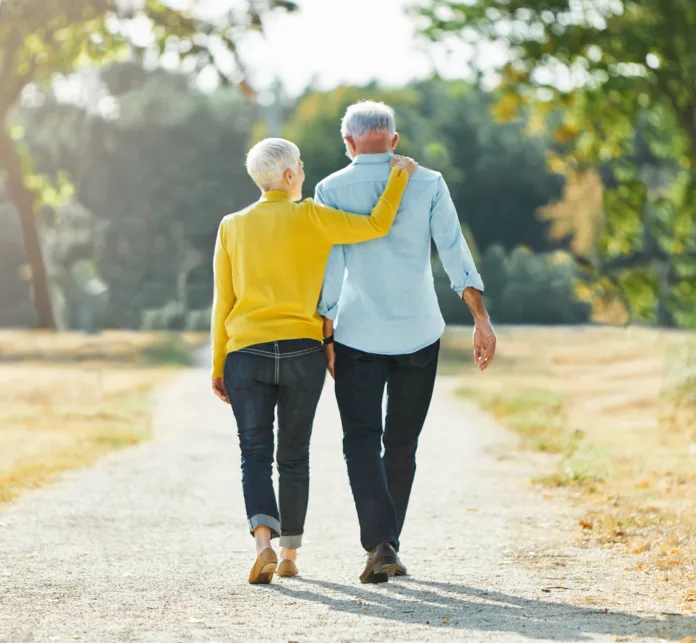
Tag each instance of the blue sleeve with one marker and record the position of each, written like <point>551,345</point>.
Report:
<point>335,272</point>
<point>446,231</point>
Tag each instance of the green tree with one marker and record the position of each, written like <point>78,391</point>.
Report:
<point>158,178</point>
<point>620,74</point>
<point>39,39</point>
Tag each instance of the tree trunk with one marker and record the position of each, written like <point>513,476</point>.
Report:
<point>23,201</point>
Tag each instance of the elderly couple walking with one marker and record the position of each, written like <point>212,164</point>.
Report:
<point>285,270</point>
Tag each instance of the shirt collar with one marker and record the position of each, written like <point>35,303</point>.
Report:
<point>373,158</point>
<point>275,195</point>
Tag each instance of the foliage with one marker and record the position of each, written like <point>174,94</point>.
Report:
<point>16,309</point>
<point>524,288</point>
<point>40,40</point>
<point>445,126</point>
<point>165,164</point>
<point>616,81</point>
<point>158,178</point>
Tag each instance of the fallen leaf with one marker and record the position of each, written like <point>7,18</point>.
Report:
<point>445,621</point>
<point>473,509</point>
<point>32,555</point>
<point>585,524</point>
<point>427,622</point>
<point>642,484</point>
<point>690,595</point>
<point>687,639</point>
<point>624,638</point>
<point>546,496</point>
<point>451,548</point>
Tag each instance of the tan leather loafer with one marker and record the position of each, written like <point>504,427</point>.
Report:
<point>287,568</point>
<point>264,567</point>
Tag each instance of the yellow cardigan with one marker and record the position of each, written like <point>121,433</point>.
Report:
<point>269,266</point>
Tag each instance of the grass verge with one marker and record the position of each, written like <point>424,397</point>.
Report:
<point>617,410</point>
<point>68,399</point>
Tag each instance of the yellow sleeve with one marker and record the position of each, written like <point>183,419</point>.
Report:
<point>223,301</point>
<point>339,227</point>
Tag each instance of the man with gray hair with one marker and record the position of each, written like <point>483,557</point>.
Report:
<point>389,324</point>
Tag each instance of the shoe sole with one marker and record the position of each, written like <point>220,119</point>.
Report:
<point>382,573</point>
<point>373,578</point>
<point>265,575</point>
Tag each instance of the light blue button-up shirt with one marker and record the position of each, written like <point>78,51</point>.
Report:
<point>381,293</point>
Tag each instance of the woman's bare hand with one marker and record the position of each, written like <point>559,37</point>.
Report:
<point>404,163</point>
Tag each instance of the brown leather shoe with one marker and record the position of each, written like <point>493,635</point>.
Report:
<point>381,563</point>
<point>287,568</point>
<point>400,568</point>
<point>264,567</point>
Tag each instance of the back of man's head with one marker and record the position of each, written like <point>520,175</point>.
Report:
<point>368,127</point>
<point>368,118</point>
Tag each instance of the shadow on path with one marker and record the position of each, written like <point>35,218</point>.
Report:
<point>446,605</point>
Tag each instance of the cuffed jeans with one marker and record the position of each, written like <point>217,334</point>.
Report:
<point>288,374</point>
<point>381,484</point>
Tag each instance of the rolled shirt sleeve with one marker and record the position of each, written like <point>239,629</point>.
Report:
<point>452,247</point>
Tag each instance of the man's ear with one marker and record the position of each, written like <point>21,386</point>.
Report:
<point>350,143</point>
<point>287,176</point>
<point>395,140</point>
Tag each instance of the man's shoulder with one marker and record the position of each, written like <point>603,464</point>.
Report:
<point>351,175</point>
<point>425,175</point>
<point>344,176</point>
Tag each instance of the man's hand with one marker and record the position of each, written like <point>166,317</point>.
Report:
<point>404,163</point>
<point>484,343</point>
<point>330,352</point>
<point>484,335</point>
<point>220,390</point>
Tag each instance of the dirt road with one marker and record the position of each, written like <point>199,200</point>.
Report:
<point>151,545</point>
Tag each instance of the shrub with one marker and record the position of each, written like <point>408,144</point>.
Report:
<point>524,288</point>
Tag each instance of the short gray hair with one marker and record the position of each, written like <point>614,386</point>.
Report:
<point>368,117</point>
<point>268,160</point>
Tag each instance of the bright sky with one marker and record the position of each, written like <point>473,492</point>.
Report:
<point>328,43</point>
<point>333,42</point>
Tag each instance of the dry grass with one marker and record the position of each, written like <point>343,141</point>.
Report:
<point>618,406</point>
<point>67,399</point>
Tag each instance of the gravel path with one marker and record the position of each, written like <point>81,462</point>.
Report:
<point>150,545</point>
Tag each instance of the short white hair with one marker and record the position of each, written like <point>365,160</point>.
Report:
<point>366,118</point>
<point>268,160</point>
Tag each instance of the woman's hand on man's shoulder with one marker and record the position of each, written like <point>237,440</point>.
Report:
<point>404,163</point>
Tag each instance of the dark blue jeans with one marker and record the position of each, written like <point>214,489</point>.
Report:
<point>289,375</point>
<point>381,480</point>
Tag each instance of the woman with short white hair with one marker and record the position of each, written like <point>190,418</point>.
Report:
<point>268,337</point>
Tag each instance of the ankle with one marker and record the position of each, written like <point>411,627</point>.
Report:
<point>288,554</point>
<point>262,536</point>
